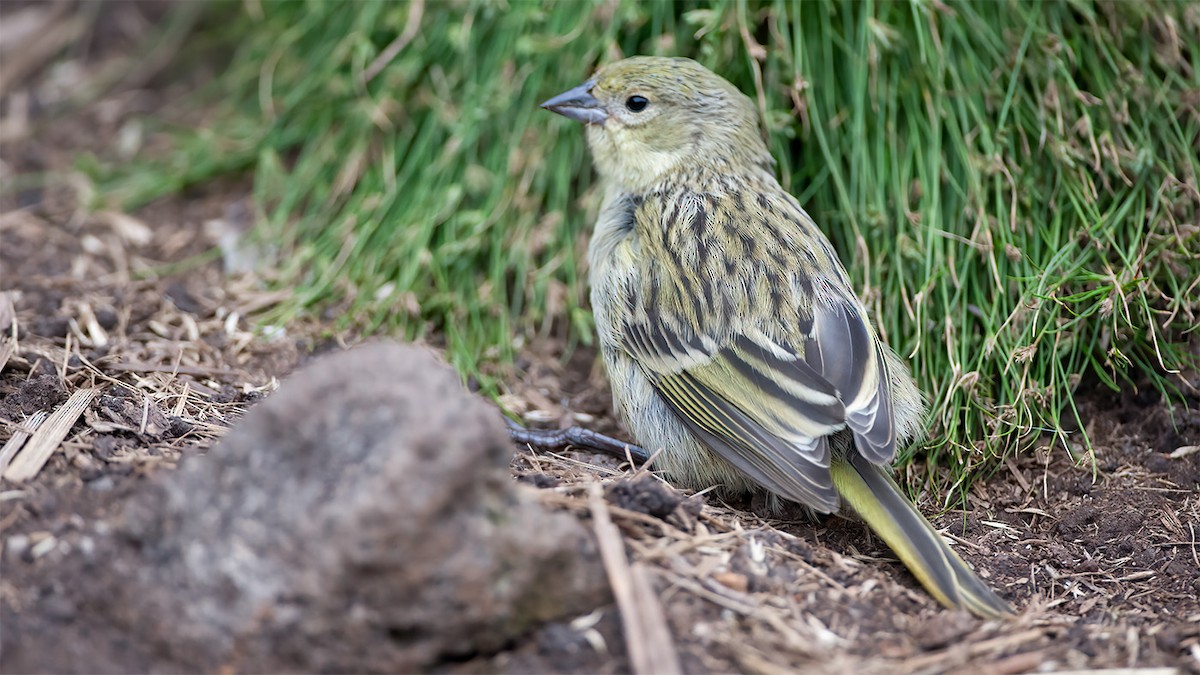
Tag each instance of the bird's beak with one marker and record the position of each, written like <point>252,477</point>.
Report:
<point>578,104</point>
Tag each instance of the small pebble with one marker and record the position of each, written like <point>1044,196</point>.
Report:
<point>43,547</point>
<point>16,545</point>
<point>101,484</point>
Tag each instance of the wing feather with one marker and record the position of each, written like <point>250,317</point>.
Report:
<point>796,471</point>
<point>844,351</point>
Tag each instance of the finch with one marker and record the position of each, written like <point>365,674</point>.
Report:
<point>732,337</point>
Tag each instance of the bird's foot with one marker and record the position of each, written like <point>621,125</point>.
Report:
<point>577,437</point>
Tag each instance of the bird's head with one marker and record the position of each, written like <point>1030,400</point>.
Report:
<point>649,116</point>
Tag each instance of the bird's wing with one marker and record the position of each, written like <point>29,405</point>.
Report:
<point>766,405</point>
<point>766,412</point>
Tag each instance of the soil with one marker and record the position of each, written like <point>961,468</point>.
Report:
<point>1103,560</point>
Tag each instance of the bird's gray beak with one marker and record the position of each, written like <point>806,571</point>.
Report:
<point>578,104</point>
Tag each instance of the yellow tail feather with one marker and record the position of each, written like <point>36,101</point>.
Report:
<point>873,494</point>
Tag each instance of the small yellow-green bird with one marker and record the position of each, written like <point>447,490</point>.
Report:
<point>731,334</point>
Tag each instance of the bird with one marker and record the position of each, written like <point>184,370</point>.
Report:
<point>730,331</point>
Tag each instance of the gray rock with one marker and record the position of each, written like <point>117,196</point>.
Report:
<point>362,518</point>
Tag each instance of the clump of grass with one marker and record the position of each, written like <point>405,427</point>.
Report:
<point>1024,176</point>
<point>1014,186</point>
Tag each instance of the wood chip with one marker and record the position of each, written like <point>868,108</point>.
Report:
<point>8,314</point>
<point>7,347</point>
<point>651,648</point>
<point>733,580</point>
<point>48,437</point>
<point>8,324</point>
<point>1016,473</point>
<point>1177,453</point>
<point>21,434</point>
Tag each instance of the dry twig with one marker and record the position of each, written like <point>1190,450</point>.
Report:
<point>647,636</point>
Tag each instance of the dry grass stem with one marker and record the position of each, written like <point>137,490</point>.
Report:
<point>647,636</point>
<point>48,437</point>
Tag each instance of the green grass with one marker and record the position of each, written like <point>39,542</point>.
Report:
<point>1013,186</point>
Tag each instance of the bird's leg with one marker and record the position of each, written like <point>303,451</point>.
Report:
<point>584,439</point>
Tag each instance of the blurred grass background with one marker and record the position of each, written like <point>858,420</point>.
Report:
<point>1013,185</point>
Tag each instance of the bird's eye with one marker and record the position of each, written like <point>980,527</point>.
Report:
<point>637,103</point>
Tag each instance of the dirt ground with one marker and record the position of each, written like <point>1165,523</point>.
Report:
<point>1104,566</point>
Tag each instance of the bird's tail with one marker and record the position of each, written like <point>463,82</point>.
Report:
<point>870,490</point>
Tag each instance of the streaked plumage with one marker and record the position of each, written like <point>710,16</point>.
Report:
<point>731,333</point>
